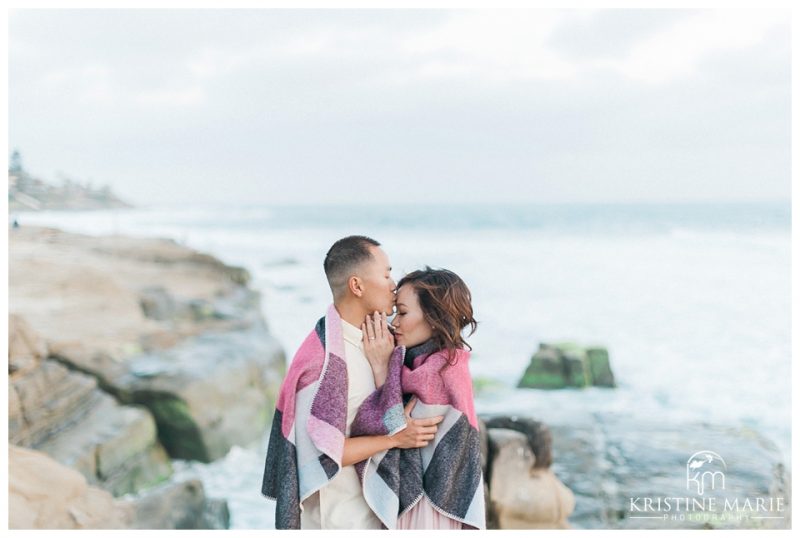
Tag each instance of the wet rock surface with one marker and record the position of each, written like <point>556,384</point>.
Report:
<point>181,505</point>
<point>612,463</point>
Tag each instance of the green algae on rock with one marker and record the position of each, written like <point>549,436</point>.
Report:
<point>567,364</point>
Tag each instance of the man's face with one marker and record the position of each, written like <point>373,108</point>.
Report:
<point>378,284</point>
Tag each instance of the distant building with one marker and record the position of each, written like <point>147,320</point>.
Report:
<point>28,193</point>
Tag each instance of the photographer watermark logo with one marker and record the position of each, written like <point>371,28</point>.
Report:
<point>704,498</point>
<point>705,469</point>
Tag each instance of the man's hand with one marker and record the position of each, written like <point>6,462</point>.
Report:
<point>419,431</point>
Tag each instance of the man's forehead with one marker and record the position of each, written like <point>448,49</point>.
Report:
<point>381,257</point>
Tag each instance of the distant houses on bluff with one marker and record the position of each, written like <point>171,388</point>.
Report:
<point>29,193</point>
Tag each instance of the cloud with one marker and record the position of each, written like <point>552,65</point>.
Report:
<point>677,50</point>
<point>501,45</point>
<point>648,46</point>
<point>213,62</point>
<point>91,83</point>
<point>311,105</point>
<point>191,96</point>
<point>609,33</point>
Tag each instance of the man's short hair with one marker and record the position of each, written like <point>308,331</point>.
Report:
<point>344,256</point>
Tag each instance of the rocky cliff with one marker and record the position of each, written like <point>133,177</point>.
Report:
<point>125,353</point>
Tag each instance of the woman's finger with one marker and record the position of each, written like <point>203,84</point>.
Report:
<point>376,329</point>
<point>370,329</point>
<point>384,328</point>
<point>376,322</point>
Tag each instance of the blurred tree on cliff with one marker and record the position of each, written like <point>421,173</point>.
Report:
<point>15,163</point>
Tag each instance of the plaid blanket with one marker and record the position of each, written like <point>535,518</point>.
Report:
<point>448,470</point>
<point>308,429</point>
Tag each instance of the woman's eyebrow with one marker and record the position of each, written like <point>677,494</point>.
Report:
<point>400,304</point>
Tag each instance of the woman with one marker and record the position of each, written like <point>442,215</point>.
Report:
<point>439,489</point>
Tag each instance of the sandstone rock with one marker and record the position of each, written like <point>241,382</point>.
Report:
<point>523,496</point>
<point>203,363</point>
<point>568,365</point>
<point>209,393</point>
<point>540,440</point>
<point>57,277</point>
<point>65,415</point>
<point>181,505</point>
<point>43,494</point>
<point>49,399</point>
<point>25,348</point>
<point>157,303</point>
<point>165,251</point>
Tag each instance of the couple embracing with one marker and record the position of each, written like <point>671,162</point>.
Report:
<point>375,425</point>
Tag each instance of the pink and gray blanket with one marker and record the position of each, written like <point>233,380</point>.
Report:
<point>308,432</point>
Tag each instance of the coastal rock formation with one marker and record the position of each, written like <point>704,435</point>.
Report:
<point>612,463</point>
<point>25,348</point>
<point>63,413</point>
<point>122,352</point>
<point>158,326</point>
<point>556,366</point>
<point>524,493</point>
<point>523,496</point>
<point>181,505</point>
<point>208,393</point>
<point>44,494</point>
<point>29,193</point>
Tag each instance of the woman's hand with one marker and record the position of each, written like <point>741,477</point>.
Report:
<point>378,345</point>
<point>419,432</point>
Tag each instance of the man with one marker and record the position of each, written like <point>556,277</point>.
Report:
<point>309,467</point>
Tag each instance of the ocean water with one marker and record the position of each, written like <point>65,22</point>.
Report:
<point>692,301</point>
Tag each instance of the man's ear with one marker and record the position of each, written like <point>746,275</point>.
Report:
<point>355,286</point>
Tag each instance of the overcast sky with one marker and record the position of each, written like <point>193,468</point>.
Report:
<point>351,106</point>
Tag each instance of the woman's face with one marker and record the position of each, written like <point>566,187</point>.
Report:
<point>410,326</point>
